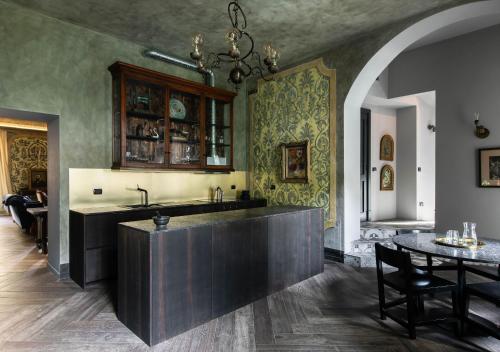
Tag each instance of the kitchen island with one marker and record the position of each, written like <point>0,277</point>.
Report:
<point>206,265</point>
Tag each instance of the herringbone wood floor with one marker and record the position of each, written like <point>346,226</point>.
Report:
<point>335,311</point>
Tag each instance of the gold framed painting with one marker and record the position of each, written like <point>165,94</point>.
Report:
<point>38,179</point>
<point>296,162</point>
<point>387,178</point>
<point>489,167</point>
<point>387,148</point>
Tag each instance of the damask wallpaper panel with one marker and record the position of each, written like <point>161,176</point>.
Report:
<point>299,104</point>
<point>27,150</point>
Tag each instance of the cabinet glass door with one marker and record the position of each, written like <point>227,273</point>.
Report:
<point>184,119</point>
<point>218,136</point>
<point>145,123</point>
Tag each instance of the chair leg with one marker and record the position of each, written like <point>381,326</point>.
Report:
<point>420,304</point>
<point>411,312</point>
<point>381,301</point>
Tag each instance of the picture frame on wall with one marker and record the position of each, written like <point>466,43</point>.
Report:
<point>296,162</point>
<point>387,148</point>
<point>489,167</point>
<point>387,178</point>
<point>38,179</point>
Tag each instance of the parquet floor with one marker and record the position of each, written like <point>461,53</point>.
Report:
<point>334,311</point>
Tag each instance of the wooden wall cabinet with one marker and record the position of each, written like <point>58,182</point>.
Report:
<point>166,122</point>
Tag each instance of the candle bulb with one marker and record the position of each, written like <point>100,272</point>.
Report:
<point>476,117</point>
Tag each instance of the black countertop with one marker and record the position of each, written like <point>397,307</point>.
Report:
<point>161,205</point>
<point>187,221</point>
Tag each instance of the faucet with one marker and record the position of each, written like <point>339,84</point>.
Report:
<point>219,193</point>
<point>146,203</point>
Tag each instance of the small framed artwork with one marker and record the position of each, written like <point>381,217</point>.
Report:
<point>38,179</point>
<point>387,148</point>
<point>295,162</point>
<point>387,178</point>
<point>489,167</point>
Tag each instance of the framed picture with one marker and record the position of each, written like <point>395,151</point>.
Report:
<point>38,179</point>
<point>387,148</point>
<point>295,162</point>
<point>387,178</point>
<point>489,167</point>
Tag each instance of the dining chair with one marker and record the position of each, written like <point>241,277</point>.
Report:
<point>489,291</point>
<point>413,283</point>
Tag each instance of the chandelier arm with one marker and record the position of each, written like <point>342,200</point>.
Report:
<point>235,7</point>
<point>252,46</point>
<point>249,68</point>
<point>259,69</point>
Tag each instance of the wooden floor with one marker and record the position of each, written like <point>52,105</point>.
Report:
<point>335,311</point>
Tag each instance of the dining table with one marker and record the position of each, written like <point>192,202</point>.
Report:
<point>425,243</point>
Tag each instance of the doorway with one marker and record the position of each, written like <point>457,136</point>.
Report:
<point>43,176</point>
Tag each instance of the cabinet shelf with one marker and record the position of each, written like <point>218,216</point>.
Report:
<point>145,138</point>
<point>184,121</point>
<point>184,142</point>
<point>219,144</point>
<point>218,126</point>
<point>144,115</point>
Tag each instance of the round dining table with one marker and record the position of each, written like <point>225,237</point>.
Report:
<point>424,243</point>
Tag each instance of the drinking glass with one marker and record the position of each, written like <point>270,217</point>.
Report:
<point>469,235</point>
<point>452,236</point>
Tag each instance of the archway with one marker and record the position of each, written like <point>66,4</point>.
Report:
<point>362,84</point>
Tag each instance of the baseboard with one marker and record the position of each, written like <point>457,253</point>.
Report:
<point>334,255</point>
<point>62,273</point>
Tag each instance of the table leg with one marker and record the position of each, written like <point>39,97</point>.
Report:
<point>461,285</point>
<point>39,231</point>
<point>429,263</point>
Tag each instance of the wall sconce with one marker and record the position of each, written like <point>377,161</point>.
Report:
<point>481,131</point>
<point>431,127</point>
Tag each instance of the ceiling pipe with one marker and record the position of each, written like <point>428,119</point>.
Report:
<point>209,80</point>
<point>158,55</point>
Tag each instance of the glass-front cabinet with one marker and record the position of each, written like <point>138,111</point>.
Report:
<point>165,122</point>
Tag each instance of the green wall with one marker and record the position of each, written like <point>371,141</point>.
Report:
<point>294,107</point>
<point>53,67</point>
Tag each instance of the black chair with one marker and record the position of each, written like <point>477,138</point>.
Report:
<point>18,205</point>
<point>413,283</point>
<point>489,291</point>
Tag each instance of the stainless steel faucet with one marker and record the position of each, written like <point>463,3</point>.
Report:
<point>146,203</point>
<point>219,194</point>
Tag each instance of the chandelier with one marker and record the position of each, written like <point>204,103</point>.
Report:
<point>244,65</point>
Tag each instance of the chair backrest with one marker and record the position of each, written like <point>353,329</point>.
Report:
<point>41,197</point>
<point>397,259</point>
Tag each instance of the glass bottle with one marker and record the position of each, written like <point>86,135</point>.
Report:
<point>472,233</point>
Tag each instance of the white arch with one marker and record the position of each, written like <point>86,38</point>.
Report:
<point>360,89</point>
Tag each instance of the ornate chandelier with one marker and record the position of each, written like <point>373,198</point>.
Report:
<point>244,65</point>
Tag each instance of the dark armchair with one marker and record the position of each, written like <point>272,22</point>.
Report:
<point>17,205</point>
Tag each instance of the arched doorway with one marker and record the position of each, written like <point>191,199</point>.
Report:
<point>365,79</point>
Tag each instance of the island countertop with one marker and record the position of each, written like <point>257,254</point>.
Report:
<point>161,205</point>
<point>206,265</point>
<point>189,221</point>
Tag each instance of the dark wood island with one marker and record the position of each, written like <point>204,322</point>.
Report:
<point>203,266</point>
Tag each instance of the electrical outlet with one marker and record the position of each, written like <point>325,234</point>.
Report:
<point>233,186</point>
<point>273,187</point>
<point>421,204</point>
<point>97,191</point>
